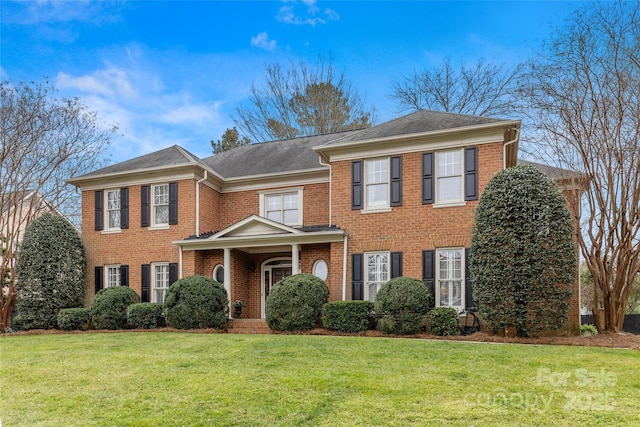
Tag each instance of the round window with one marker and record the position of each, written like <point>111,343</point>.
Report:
<point>320,269</point>
<point>218,274</point>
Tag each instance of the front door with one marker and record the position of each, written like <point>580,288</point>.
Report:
<point>273,272</point>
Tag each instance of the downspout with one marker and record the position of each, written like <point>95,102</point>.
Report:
<point>180,262</point>
<point>328,165</point>
<point>504,148</point>
<point>198,182</point>
<point>344,270</point>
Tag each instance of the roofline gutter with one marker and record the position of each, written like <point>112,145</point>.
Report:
<point>504,147</point>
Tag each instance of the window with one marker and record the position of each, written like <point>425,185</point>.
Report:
<point>450,278</point>
<point>377,273</point>
<point>160,282</point>
<point>449,178</point>
<point>283,207</point>
<point>112,210</point>
<point>112,275</point>
<point>161,204</point>
<point>320,269</point>
<point>218,274</point>
<point>377,183</point>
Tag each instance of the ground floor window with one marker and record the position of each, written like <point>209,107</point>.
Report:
<point>218,274</point>
<point>450,277</point>
<point>160,282</point>
<point>320,269</point>
<point>112,275</point>
<point>377,273</point>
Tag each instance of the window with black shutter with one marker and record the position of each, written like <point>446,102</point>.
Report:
<point>357,269</point>
<point>356,185</point>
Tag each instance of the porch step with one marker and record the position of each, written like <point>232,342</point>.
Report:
<point>248,326</point>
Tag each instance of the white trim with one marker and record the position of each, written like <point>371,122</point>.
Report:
<point>462,278</point>
<point>154,285</point>
<point>300,202</point>
<point>374,211</point>
<point>277,180</point>
<point>105,207</point>
<point>106,275</point>
<point>214,273</point>
<point>438,177</point>
<point>366,184</point>
<point>315,264</point>
<point>152,206</point>
<point>366,282</point>
<point>263,269</point>
<point>344,268</point>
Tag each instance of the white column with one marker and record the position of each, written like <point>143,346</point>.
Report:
<point>295,259</point>
<point>227,274</point>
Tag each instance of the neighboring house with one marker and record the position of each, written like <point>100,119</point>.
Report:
<point>18,209</point>
<point>355,208</point>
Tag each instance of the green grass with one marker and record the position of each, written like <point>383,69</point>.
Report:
<point>166,378</point>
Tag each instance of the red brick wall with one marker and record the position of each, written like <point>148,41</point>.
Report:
<point>412,227</point>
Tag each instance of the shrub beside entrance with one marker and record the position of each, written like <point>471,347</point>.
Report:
<point>196,302</point>
<point>295,303</point>
<point>401,304</point>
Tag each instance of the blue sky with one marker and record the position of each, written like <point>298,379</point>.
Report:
<point>173,72</point>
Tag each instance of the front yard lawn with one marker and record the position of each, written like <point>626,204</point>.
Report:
<point>186,379</point>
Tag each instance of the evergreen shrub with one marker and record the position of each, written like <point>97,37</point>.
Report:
<point>295,303</point>
<point>401,304</point>
<point>74,319</point>
<point>347,316</point>
<point>109,307</point>
<point>444,321</point>
<point>146,315</point>
<point>196,302</point>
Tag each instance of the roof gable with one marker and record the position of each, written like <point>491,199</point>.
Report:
<point>253,225</point>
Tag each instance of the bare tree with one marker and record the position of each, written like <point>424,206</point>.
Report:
<point>482,89</point>
<point>44,140</point>
<point>302,100</point>
<point>583,96</point>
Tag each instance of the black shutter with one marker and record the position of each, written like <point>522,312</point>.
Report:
<point>124,275</point>
<point>396,264</point>
<point>173,272</point>
<point>428,271</point>
<point>144,205</point>
<point>124,208</point>
<point>146,283</point>
<point>356,184</point>
<point>357,265</point>
<point>428,178</point>
<point>173,203</point>
<point>396,181</point>
<point>471,173</point>
<point>99,218</point>
<point>468,287</point>
<point>97,279</point>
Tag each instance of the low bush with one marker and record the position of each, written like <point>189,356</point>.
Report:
<point>400,306</point>
<point>109,307</point>
<point>444,321</point>
<point>295,303</point>
<point>347,316</point>
<point>196,302</point>
<point>588,330</point>
<point>74,319</point>
<point>146,315</point>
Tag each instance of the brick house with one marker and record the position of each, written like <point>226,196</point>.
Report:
<point>355,208</point>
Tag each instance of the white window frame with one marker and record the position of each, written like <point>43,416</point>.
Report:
<point>299,201</point>
<point>154,223</point>
<point>441,278</point>
<point>107,275</point>
<point>107,224</point>
<point>317,263</point>
<point>367,183</point>
<point>215,273</point>
<point>154,281</point>
<point>438,177</point>
<point>381,279</point>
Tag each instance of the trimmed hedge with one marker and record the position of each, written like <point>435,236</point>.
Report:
<point>444,321</point>
<point>146,315</point>
<point>74,319</point>
<point>347,316</point>
<point>295,303</point>
<point>109,307</point>
<point>401,304</point>
<point>196,302</point>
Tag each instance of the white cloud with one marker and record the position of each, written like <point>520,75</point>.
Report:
<point>108,82</point>
<point>305,12</point>
<point>263,42</point>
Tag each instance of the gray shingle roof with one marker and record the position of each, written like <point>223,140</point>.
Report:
<point>271,157</point>
<point>419,122</point>
<point>552,172</point>
<point>171,156</point>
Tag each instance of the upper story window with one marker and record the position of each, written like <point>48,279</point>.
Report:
<point>161,204</point>
<point>112,209</point>
<point>377,183</point>
<point>449,176</point>
<point>284,207</point>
